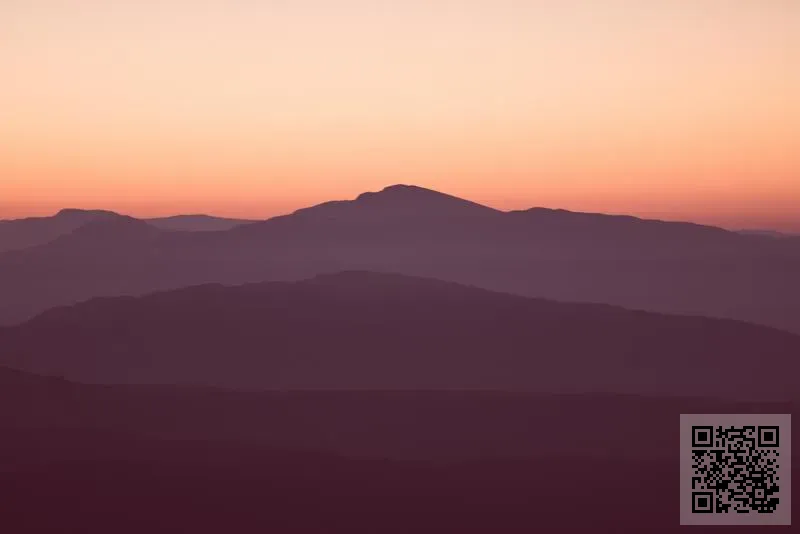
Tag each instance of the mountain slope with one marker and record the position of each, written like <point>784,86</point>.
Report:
<point>360,330</point>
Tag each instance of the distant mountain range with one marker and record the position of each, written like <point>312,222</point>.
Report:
<point>359,330</point>
<point>23,233</point>
<point>670,267</point>
<point>768,233</point>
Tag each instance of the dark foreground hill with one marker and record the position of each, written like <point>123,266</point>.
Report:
<point>661,266</point>
<point>210,488</point>
<point>403,425</point>
<point>359,330</point>
<point>167,487</point>
<point>125,459</point>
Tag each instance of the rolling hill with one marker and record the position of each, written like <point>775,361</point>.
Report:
<point>361,330</point>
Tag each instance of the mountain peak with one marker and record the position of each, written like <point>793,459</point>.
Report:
<point>401,189</point>
<point>77,212</point>
<point>416,200</point>
<point>399,201</point>
<point>414,193</point>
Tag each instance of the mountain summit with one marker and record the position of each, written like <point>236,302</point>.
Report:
<point>16,234</point>
<point>401,201</point>
<point>415,196</point>
<point>77,213</point>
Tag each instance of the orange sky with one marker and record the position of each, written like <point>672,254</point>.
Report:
<point>679,109</point>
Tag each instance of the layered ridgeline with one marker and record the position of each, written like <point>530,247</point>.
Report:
<point>643,264</point>
<point>360,330</point>
<point>24,233</point>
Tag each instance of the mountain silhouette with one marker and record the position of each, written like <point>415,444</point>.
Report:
<point>32,231</point>
<point>628,235</point>
<point>196,223</point>
<point>396,219</point>
<point>667,267</point>
<point>18,234</point>
<point>360,330</point>
<point>404,201</point>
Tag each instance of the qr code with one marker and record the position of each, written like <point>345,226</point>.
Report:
<point>735,469</point>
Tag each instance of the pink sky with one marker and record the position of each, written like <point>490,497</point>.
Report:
<point>678,109</point>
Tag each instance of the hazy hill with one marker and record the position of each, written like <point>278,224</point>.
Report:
<point>196,223</point>
<point>661,266</point>
<point>32,231</point>
<point>359,330</point>
<point>18,234</point>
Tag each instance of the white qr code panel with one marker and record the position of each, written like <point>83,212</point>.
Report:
<point>735,469</point>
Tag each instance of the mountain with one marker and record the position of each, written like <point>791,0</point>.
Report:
<point>32,231</point>
<point>360,330</point>
<point>196,223</point>
<point>395,219</point>
<point>417,218</point>
<point>406,202</point>
<point>18,234</point>
<point>667,267</point>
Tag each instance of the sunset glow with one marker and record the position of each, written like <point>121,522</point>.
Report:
<point>674,109</point>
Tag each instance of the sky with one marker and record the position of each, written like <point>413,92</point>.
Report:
<point>675,109</point>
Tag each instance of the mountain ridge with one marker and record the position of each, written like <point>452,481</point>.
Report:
<point>394,192</point>
<point>365,331</point>
<point>663,266</point>
<point>386,197</point>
